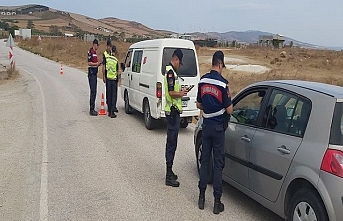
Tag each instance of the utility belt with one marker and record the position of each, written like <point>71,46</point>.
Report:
<point>173,109</point>
<point>92,70</point>
<point>224,122</point>
<point>173,112</point>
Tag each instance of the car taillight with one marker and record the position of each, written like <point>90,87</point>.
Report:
<point>158,89</point>
<point>333,162</point>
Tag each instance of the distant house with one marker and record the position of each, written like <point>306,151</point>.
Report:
<point>187,37</point>
<point>174,36</point>
<point>277,41</point>
<point>25,33</point>
<point>181,36</point>
<point>208,42</point>
<point>243,44</point>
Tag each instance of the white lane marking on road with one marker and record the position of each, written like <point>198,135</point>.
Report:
<point>43,203</point>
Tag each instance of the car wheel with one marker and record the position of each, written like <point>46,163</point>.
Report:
<point>128,108</point>
<point>306,205</point>
<point>198,152</point>
<point>183,123</point>
<point>149,121</point>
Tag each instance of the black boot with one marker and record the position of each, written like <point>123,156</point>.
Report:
<point>170,172</point>
<point>171,181</point>
<point>218,206</point>
<point>201,201</point>
<point>171,178</point>
<point>113,115</point>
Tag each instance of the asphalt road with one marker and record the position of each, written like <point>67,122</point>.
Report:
<point>59,163</point>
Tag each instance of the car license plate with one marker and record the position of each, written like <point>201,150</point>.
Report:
<point>184,103</point>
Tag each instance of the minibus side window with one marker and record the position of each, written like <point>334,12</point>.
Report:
<point>137,61</point>
<point>128,59</point>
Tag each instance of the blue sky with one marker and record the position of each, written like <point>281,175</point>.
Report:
<point>311,21</point>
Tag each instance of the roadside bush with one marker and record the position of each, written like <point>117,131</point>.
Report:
<point>12,72</point>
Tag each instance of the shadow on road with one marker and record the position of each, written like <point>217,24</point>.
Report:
<point>160,125</point>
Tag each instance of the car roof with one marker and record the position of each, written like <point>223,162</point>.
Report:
<point>331,90</point>
<point>164,42</point>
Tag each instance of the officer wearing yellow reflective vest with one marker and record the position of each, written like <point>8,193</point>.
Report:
<point>110,77</point>
<point>104,72</point>
<point>173,109</point>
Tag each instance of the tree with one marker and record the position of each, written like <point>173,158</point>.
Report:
<point>54,30</point>
<point>4,25</point>
<point>122,35</point>
<point>80,33</point>
<point>11,31</point>
<point>276,43</point>
<point>30,24</point>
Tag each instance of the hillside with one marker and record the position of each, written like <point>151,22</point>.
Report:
<point>44,17</point>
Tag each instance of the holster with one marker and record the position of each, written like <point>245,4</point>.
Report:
<point>226,118</point>
<point>173,112</point>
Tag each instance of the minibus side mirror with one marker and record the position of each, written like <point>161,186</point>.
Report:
<point>122,65</point>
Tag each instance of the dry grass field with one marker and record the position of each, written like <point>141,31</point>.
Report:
<point>302,64</point>
<point>69,51</point>
<point>305,64</point>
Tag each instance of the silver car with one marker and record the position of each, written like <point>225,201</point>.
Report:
<point>284,148</point>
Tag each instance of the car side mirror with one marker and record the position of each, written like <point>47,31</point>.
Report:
<point>122,65</point>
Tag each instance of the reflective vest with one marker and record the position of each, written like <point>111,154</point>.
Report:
<point>176,102</point>
<point>111,66</point>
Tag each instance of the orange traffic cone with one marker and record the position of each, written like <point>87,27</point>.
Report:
<point>102,108</point>
<point>61,70</point>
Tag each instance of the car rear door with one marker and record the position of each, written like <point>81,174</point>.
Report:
<point>276,142</point>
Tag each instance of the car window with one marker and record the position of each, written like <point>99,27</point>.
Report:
<point>137,61</point>
<point>286,112</point>
<point>189,67</point>
<point>246,110</point>
<point>301,117</point>
<point>336,133</point>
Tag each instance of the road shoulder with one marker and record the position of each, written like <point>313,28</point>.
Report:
<point>18,156</point>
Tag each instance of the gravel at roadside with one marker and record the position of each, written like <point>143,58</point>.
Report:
<point>16,142</point>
